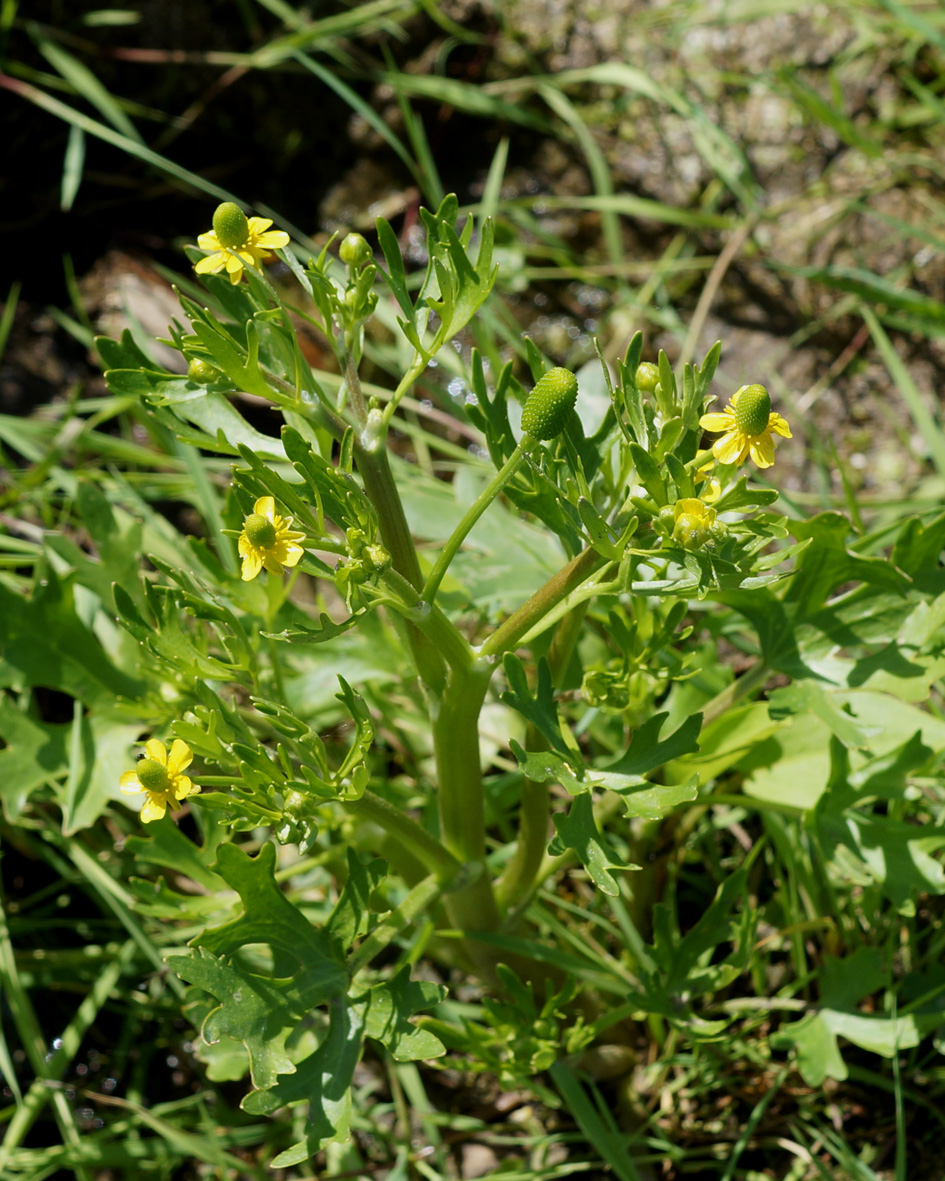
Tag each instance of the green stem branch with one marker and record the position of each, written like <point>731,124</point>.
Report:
<point>470,517</point>
<point>422,844</point>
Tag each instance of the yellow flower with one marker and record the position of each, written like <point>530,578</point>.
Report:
<point>693,522</point>
<point>159,776</point>
<point>748,422</point>
<point>237,241</point>
<point>267,540</point>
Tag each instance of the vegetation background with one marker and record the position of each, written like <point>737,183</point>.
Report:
<point>769,174</point>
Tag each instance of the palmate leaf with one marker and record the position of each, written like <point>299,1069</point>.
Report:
<point>275,1015</point>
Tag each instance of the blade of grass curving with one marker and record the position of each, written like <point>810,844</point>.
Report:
<point>87,86</point>
<point>430,181</point>
<point>365,110</point>
<point>473,100</point>
<point>928,428</point>
<point>597,166</point>
<point>92,127</point>
<point>72,167</point>
<point>595,1122</point>
<point>9,311</point>
<point>633,206</point>
<point>915,21</point>
<point>492,189</point>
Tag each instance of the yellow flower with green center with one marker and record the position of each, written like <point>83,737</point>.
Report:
<point>268,540</point>
<point>159,775</point>
<point>748,422</point>
<point>237,241</point>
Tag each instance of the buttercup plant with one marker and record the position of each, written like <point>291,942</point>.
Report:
<point>621,506</point>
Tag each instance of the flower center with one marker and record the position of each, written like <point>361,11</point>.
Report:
<point>752,409</point>
<point>153,775</point>
<point>260,531</point>
<point>230,225</point>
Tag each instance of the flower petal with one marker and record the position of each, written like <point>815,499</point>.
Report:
<point>183,787</point>
<point>154,807</point>
<point>274,240</point>
<point>209,241</point>
<point>291,555</point>
<point>272,563</point>
<point>252,564</point>
<point>266,506</point>
<point>779,425</point>
<point>181,756</point>
<point>762,449</point>
<point>723,421</point>
<point>156,751</point>
<point>130,783</point>
<point>258,225</point>
<point>731,448</point>
<point>211,264</point>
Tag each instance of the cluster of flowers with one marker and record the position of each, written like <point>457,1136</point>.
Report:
<point>268,541</point>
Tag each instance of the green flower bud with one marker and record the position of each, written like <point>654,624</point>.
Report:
<point>752,409</point>
<point>666,519</point>
<point>647,377</point>
<point>230,225</point>
<point>259,531</point>
<point>354,251</point>
<point>201,372</point>
<point>549,404</point>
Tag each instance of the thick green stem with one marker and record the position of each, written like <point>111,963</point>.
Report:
<point>470,517</point>
<point>422,844</point>
<point>374,468</point>
<point>521,872</point>
<point>438,629</point>
<point>462,818</point>
<point>558,587</point>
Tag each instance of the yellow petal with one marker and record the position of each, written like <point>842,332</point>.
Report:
<point>274,240</point>
<point>272,563</point>
<point>258,225</point>
<point>182,787</point>
<point>717,422</point>
<point>209,241</point>
<point>156,751</point>
<point>129,782</point>
<point>762,449</point>
<point>780,427</point>
<point>731,448</point>
<point>689,505</point>
<point>292,555</point>
<point>211,264</point>
<point>154,807</point>
<point>252,564</point>
<point>181,756</point>
<point>234,264</point>
<point>266,506</point>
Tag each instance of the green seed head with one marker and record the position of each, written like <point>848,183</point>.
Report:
<point>230,225</point>
<point>259,530</point>
<point>152,775</point>
<point>753,409</point>
<point>549,404</point>
<point>647,377</point>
